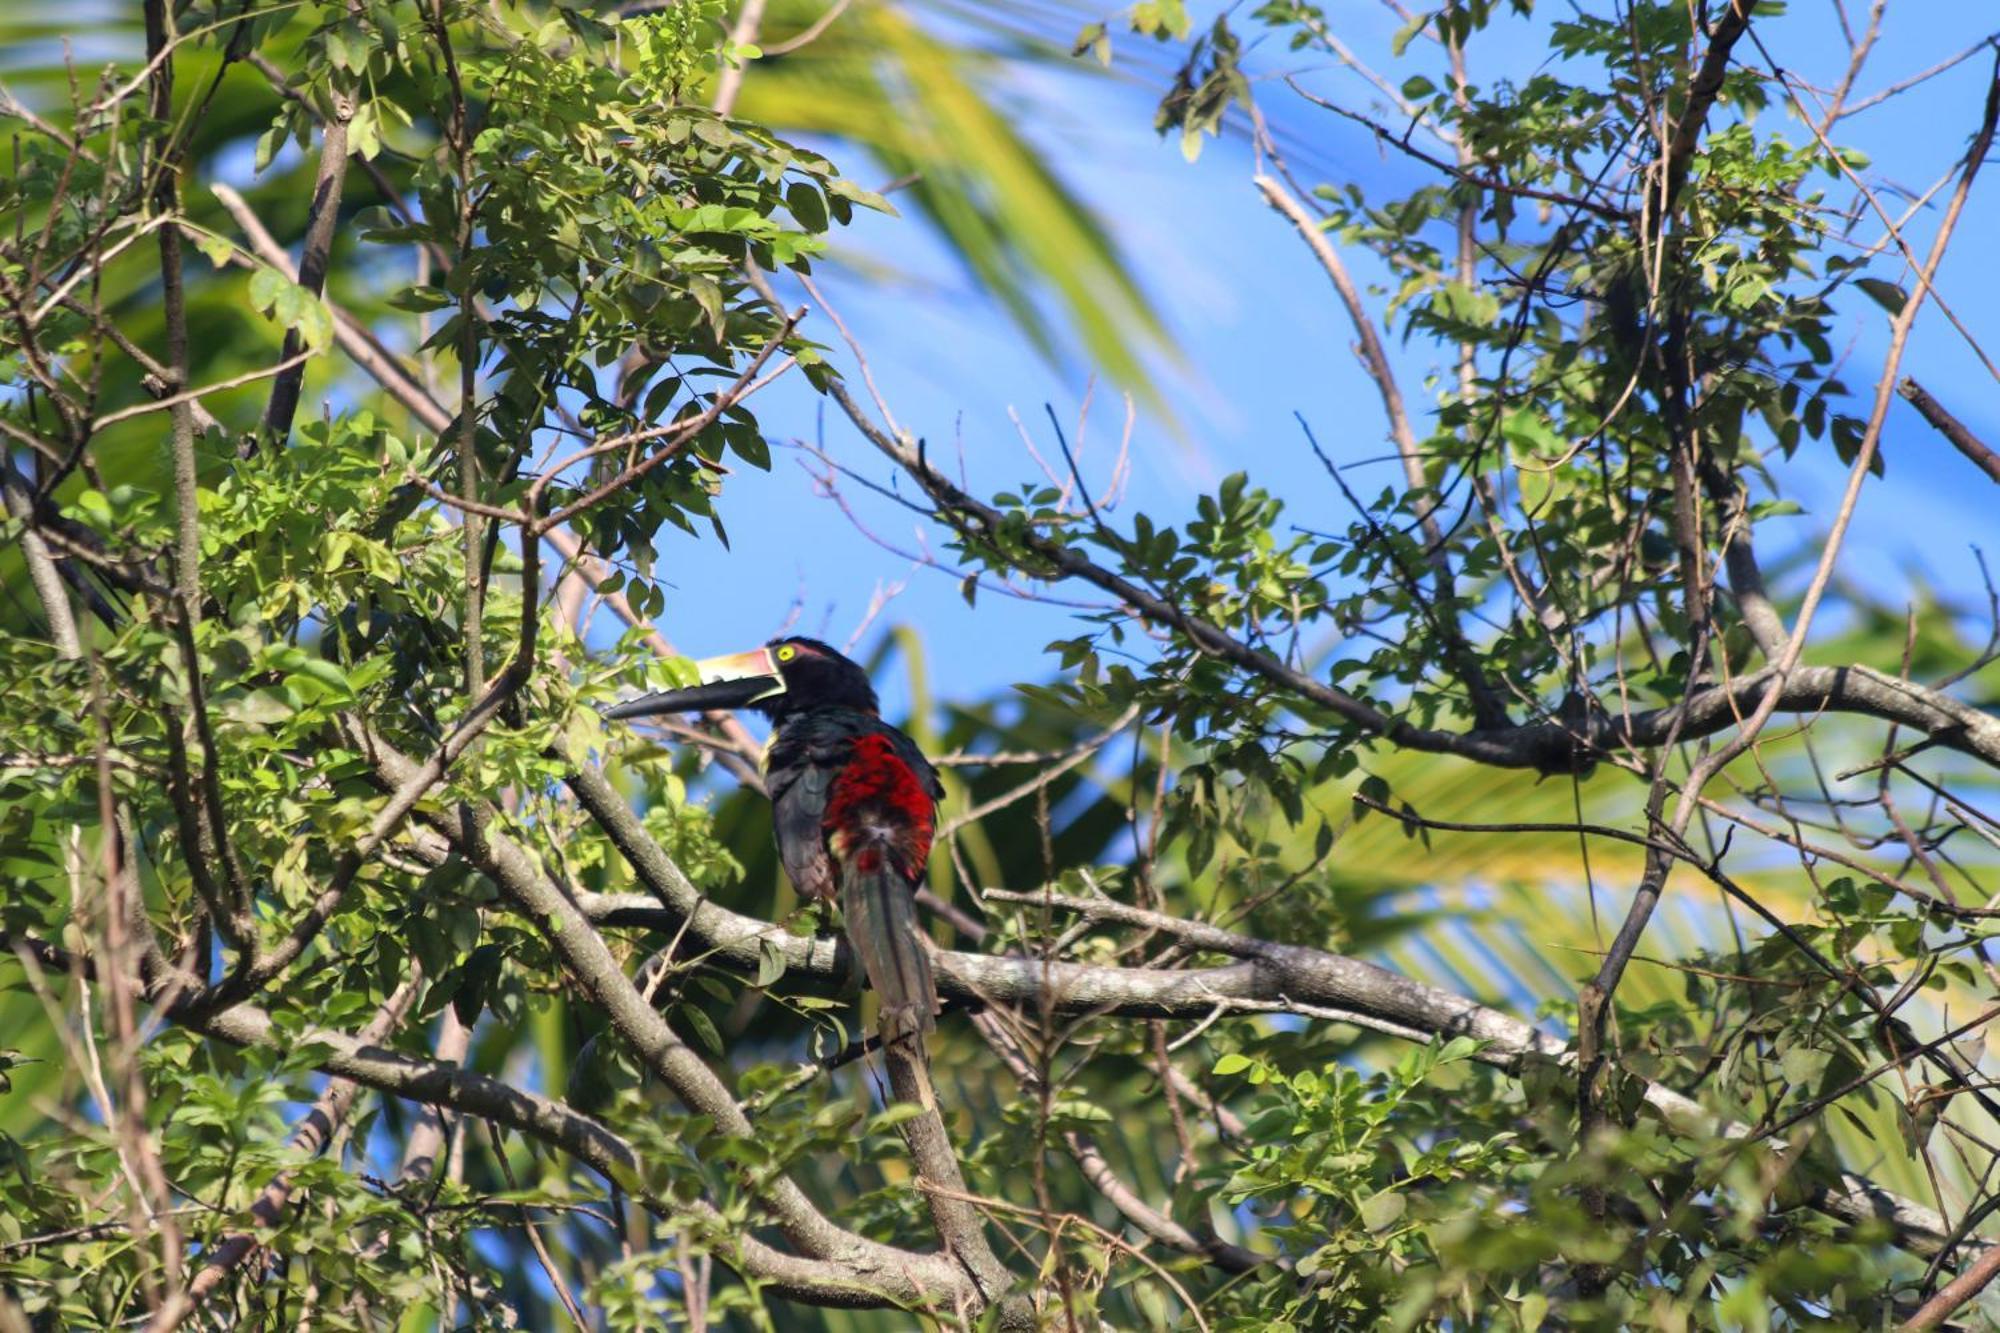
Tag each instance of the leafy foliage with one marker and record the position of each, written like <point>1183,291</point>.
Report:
<point>340,994</point>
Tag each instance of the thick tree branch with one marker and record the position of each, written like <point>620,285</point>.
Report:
<point>960,1226</point>
<point>1268,977</point>
<point>584,953</point>
<point>1678,156</point>
<point>1301,978</point>
<point>1746,577</point>
<point>1967,1285</point>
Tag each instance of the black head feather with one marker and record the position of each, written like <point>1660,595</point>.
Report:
<point>817,675</point>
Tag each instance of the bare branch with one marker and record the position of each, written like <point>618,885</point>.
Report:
<point>1975,449</point>
<point>1487,708</point>
<point>177,401</point>
<point>810,33</point>
<point>742,32</point>
<point>1401,142</point>
<point>43,575</point>
<point>1904,85</point>
<point>1957,1293</point>
<point>321,224</point>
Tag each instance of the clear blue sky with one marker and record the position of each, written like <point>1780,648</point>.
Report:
<point>1262,338</point>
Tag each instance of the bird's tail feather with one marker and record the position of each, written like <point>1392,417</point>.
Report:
<point>882,925</point>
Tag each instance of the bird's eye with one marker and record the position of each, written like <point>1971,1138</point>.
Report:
<point>787,653</point>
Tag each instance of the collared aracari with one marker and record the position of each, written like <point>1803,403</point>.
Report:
<point>853,804</point>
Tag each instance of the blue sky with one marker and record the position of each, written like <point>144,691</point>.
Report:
<point>1261,338</point>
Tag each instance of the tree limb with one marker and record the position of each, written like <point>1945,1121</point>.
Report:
<point>314,1132</point>
<point>1267,976</point>
<point>1963,1288</point>
<point>321,225</point>
<point>1975,449</point>
<point>584,953</point>
<point>861,1274</point>
<point>1678,156</point>
<point>1557,746</point>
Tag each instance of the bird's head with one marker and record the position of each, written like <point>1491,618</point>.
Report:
<point>785,676</point>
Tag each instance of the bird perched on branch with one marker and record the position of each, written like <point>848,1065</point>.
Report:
<point>854,804</point>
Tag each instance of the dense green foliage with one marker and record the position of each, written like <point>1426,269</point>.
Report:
<point>338,991</point>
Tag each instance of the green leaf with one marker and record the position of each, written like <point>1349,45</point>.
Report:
<point>219,249</point>
<point>1884,293</point>
<point>807,204</point>
<point>1406,34</point>
<point>770,963</point>
<point>900,1113</point>
<point>328,674</point>
<point>848,190</point>
<point>266,285</point>
<point>703,1028</point>
<point>1804,1065</point>
<point>1381,1211</point>
<point>422,298</point>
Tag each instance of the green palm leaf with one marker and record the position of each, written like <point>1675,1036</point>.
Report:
<point>926,109</point>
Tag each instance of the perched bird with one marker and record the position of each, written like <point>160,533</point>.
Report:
<point>854,804</point>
